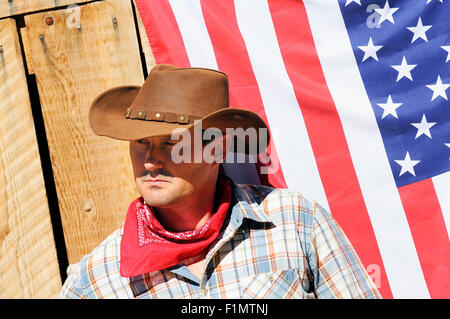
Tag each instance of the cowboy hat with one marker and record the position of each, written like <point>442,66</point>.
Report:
<point>171,98</point>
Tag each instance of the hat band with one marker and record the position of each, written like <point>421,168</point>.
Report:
<point>159,116</point>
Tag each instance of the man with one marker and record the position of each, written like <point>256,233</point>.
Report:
<point>194,233</point>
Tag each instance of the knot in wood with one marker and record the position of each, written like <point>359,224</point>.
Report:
<point>49,20</point>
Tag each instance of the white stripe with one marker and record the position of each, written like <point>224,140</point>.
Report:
<point>367,150</point>
<point>195,35</point>
<point>281,106</point>
<point>200,52</point>
<point>442,186</point>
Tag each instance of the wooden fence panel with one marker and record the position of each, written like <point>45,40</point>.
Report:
<point>93,175</point>
<point>14,7</point>
<point>28,261</point>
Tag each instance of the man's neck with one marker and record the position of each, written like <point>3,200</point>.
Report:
<point>189,215</point>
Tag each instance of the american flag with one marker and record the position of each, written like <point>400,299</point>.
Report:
<point>355,93</point>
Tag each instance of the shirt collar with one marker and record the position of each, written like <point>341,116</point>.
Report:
<point>244,205</point>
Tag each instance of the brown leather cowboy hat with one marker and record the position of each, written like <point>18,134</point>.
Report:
<point>171,98</point>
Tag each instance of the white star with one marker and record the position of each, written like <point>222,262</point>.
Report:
<point>389,107</point>
<point>441,1</point>
<point>350,1</point>
<point>404,69</point>
<point>386,13</point>
<point>439,88</point>
<point>448,145</point>
<point>423,127</point>
<point>447,48</point>
<point>419,31</point>
<point>370,50</point>
<point>407,165</point>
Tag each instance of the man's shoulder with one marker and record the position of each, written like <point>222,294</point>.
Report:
<point>107,252</point>
<point>278,202</point>
<point>109,247</point>
<point>262,190</point>
<point>266,194</point>
<point>95,275</point>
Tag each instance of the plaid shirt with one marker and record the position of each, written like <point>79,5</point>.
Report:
<point>275,244</point>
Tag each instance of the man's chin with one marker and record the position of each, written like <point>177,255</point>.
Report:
<point>158,199</point>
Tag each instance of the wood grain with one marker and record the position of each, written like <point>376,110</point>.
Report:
<point>13,7</point>
<point>26,50</point>
<point>28,262</point>
<point>93,175</point>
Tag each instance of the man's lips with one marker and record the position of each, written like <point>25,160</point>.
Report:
<point>154,180</point>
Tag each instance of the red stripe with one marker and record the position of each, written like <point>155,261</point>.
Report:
<point>163,32</point>
<point>232,58</point>
<point>429,233</point>
<point>325,132</point>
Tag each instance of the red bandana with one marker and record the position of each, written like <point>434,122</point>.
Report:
<point>146,246</point>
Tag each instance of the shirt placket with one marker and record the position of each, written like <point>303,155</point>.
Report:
<point>230,232</point>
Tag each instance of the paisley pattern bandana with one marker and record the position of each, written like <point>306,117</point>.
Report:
<point>147,246</point>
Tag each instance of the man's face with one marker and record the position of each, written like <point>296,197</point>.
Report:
<point>164,183</point>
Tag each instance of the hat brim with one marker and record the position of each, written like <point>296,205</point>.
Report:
<point>107,118</point>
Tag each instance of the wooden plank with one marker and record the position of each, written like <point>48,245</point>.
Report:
<point>145,43</point>
<point>28,261</point>
<point>14,7</point>
<point>26,49</point>
<point>93,175</point>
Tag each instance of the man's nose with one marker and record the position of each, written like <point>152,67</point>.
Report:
<point>153,159</point>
